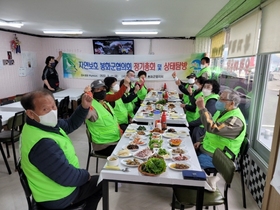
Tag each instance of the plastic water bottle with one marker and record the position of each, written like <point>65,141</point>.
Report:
<point>156,118</point>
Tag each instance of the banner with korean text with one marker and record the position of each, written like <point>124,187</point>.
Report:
<point>89,66</point>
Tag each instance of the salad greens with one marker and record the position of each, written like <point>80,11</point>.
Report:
<point>155,143</point>
<point>154,166</point>
<point>162,152</point>
<point>141,128</point>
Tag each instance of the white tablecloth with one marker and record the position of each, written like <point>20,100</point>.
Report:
<point>6,115</point>
<point>13,107</point>
<point>73,93</point>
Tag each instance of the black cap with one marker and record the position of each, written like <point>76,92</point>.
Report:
<point>97,83</point>
<point>192,75</point>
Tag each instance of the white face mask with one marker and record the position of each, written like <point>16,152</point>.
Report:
<point>195,87</point>
<point>206,92</point>
<point>49,119</point>
<point>116,88</point>
<point>191,81</point>
<point>133,79</point>
<point>202,66</point>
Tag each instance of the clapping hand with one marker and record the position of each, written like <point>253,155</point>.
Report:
<point>174,74</point>
<point>136,88</point>
<point>178,82</point>
<point>200,103</point>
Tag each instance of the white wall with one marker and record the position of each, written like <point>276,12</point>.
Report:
<point>11,84</point>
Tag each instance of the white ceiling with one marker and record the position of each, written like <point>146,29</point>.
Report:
<point>100,18</point>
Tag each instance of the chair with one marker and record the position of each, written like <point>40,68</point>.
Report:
<point>6,101</point>
<point>32,205</point>
<point>187,197</point>
<point>91,153</point>
<point>12,134</point>
<point>63,110</point>
<point>2,151</point>
<point>243,151</point>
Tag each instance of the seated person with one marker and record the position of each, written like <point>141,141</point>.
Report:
<point>183,86</point>
<point>48,157</point>
<point>115,96</point>
<point>226,129</point>
<point>210,91</point>
<point>119,108</point>
<point>102,122</point>
<point>128,99</point>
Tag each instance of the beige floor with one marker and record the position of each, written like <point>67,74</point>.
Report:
<point>129,197</point>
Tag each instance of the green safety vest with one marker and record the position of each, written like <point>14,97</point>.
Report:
<point>186,98</point>
<point>120,111</point>
<point>130,106</point>
<point>136,98</point>
<point>202,71</point>
<point>215,96</point>
<point>43,188</point>
<point>142,93</point>
<point>191,116</point>
<point>213,141</point>
<point>105,129</point>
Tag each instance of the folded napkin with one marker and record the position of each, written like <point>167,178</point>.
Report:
<point>211,183</point>
<point>112,167</point>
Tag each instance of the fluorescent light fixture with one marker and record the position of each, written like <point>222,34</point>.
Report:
<point>136,32</point>
<point>62,32</point>
<point>11,24</point>
<point>141,22</point>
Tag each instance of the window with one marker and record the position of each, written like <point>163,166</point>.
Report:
<point>270,102</point>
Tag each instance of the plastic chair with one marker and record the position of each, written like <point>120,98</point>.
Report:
<point>187,197</point>
<point>32,205</point>
<point>2,151</point>
<point>91,153</point>
<point>243,152</point>
<point>12,134</point>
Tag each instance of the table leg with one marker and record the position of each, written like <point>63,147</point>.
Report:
<point>105,194</point>
<point>199,198</point>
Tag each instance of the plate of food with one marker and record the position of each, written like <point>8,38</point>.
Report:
<point>143,154</point>
<point>171,130</point>
<point>170,135</point>
<point>128,135</point>
<point>131,162</point>
<point>130,130</point>
<point>123,153</point>
<point>180,157</point>
<point>175,142</point>
<point>155,143</point>
<point>171,106</point>
<point>179,166</point>
<point>164,153</point>
<point>158,130</point>
<point>131,147</point>
<point>177,151</point>
<point>142,133</point>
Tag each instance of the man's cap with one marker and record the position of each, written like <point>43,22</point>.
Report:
<point>97,84</point>
<point>192,75</point>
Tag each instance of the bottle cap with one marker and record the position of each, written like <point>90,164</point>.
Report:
<point>157,112</point>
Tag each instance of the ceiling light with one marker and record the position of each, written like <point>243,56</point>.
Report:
<point>62,32</point>
<point>141,22</point>
<point>136,32</point>
<point>11,24</point>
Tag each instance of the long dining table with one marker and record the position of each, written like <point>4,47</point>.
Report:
<point>170,178</point>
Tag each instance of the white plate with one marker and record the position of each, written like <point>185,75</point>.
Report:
<point>133,136</point>
<point>144,157</point>
<point>133,150</point>
<point>145,142</point>
<point>170,165</point>
<point>129,130</point>
<point>170,135</point>
<point>183,155</point>
<point>173,153</point>
<point>127,135</point>
<point>123,161</point>
<point>123,156</point>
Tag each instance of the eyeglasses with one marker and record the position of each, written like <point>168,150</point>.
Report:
<point>224,99</point>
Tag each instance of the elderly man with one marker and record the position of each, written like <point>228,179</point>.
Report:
<point>226,129</point>
<point>48,157</point>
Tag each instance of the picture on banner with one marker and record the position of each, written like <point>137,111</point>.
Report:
<point>89,66</point>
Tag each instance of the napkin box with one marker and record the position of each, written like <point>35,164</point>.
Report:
<point>195,175</point>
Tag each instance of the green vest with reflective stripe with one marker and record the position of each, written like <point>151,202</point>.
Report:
<point>213,141</point>
<point>130,106</point>
<point>202,71</point>
<point>136,98</point>
<point>142,93</point>
<point>43,188</point>
<point>191,116</point>
<point>105,129</point>
<point>120,111</point>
